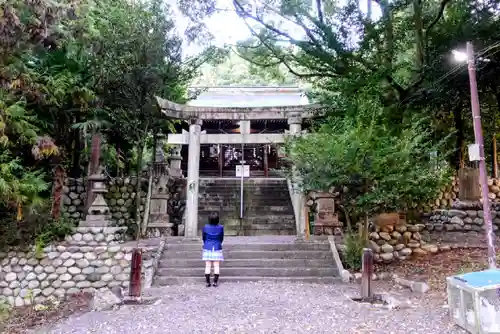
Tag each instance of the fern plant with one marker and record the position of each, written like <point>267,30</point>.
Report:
<point>19,186</point>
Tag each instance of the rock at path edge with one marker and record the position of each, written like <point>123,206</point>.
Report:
<point>104,300</point>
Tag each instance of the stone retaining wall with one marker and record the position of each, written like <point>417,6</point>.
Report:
<point>401,243</point>
<point>471,220</point>
<point>120,199</point>
<point>85,263</point>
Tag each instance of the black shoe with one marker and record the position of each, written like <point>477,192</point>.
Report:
<point>216,279</point>
<point>207,278</point>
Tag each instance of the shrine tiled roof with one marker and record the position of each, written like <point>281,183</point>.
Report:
<point>242,103</point>
<point>248,97</point>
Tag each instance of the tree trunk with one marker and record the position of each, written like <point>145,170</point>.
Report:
<point>495,157</point>
<point>364,232</point>
<point>419,35</point>
<point>119,170</point>
<point>140,151</point>
<point>460,137</point>
<point>347,219</point>
<point>147,206</point>
<point>57,190</point>
<point>76,149</point>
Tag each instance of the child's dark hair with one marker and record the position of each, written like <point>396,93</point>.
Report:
<point>213,218</point>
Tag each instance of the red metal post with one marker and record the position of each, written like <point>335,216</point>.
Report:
<point>478,135</point>
<point>367,273</point>
<point>135,274</point>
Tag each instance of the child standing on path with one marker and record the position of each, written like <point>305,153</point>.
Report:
<point>213,236</point>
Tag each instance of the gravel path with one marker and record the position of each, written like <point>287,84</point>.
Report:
<point>261,308</point>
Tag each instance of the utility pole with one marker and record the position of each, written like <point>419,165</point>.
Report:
<point>478,135</point>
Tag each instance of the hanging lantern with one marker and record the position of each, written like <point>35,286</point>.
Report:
<point>281,152</point>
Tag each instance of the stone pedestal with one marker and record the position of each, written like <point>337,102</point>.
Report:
<point>96,236</point>
<point>159,220</point>
<point>326,221</point>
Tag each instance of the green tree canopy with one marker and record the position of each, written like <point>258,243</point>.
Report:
<point>69,70</point>
<point>374,170</point>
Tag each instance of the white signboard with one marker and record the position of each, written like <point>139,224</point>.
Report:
<point>474,152</point>
<point>246,171</point>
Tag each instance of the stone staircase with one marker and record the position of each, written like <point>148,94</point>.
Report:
<point>267,206</point>
<point>250,259</point>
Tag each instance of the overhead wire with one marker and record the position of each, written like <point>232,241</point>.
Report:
<point>457,68</point>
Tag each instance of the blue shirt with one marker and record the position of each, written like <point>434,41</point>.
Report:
<point>213,236</point>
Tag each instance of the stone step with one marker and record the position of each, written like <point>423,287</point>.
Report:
<point>255,200</point>
<point>227,218</point>
<point>221,194</point>
<point>250,263</point>
<point>263,227</point>
<point>236,182</point>
<point>249,190</point>
<point>222,197</point>
<point>236,192</point>
<point>257,233</point>
<point>249,215</point>
<point>265,220</point>
<point>205,210</point>
<point>270,187</point>
<point>166,280</point>
<point>259,212</point>
<point>298,246</point>
<point>251,271</point>
<point>252,240</point>
<point>244,254</point>
<point>260,219</point>
<point>276,206</point>
<point>234,223</point>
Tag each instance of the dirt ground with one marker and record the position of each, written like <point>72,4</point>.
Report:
<point>19,319</point>
<point>434,269</point>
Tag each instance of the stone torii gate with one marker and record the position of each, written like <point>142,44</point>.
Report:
<point>195,115</point>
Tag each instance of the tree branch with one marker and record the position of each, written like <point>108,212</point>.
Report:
<point>315,44</point>
<point>320,11</point>
<point>422,54</point>
<point>283,61</point>
<point>439,15</point>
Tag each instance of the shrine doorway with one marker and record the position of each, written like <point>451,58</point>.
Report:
<point>222,160</point>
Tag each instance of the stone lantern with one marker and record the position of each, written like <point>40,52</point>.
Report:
<point>96,229</point>
<point>98,212</point>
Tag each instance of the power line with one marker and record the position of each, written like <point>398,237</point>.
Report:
<point>455,70</point>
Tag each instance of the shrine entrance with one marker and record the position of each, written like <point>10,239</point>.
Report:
<point>215,141</point>
<point>222,160</point>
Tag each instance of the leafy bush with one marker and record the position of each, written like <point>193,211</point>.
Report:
<point>353,251</point>
<point>378,170</point>
<point>37,230</point>
<point>5,310</point>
